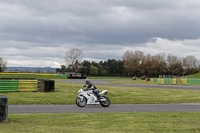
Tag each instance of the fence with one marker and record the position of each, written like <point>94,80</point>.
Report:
<point>175,81</point>
<point>33,85</point>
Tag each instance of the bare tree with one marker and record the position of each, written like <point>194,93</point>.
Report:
<point>190,61</point>
<point>3,65</point>
<point>174,65</point>
<point>160,63</point>
<point>127,61</point>
<point>132,61</point>
<point>72,55</point>
<point>190,64</point>
<point>172,59</point>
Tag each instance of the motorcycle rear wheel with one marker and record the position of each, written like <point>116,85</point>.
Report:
<point>105,103</point>
<point>81,103</point>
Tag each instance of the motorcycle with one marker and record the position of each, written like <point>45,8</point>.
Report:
<point>88,97</point>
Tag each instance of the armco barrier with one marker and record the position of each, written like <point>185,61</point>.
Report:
<point>175,81</point>
<point>183,81</point>
<point>155,80</point>
<point>8,85</point>
<point>40,85</point>
<point>193,81</point>
<point>161,81</point>
<point>168,81</point>
<point>27,85</point>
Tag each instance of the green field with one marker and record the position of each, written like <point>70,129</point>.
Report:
<point>53,77</point>
<point>197,75</point>
<point>184,122</point>
<point>33,76</point>
<point>66,93</point>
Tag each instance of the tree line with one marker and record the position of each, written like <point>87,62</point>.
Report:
<point>133,63</point>
<point>136,62</point>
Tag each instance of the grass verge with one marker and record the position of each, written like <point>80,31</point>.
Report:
<point>66,93</point>
<point>52,77</point>
<point>103,122</point>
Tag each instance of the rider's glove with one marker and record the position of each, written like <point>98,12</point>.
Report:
<point>84,86</point>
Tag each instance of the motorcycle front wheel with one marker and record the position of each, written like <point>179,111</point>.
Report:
<point>81,102</point>
<point>105,103</point>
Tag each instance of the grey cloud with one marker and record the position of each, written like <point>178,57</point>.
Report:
<point>105,27</point>
<point>111,22</point>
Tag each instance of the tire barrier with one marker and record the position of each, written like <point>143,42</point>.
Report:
<point>175,81</point>
<point>27,85</point>
<point>46,85</point>
<point>3,108</point>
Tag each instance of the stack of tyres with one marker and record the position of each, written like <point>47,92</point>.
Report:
<point>46,85</point>
<point>51,85</point>
<point>41,84</point>
<point>3,108</point>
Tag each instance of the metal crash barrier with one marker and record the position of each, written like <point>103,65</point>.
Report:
<point>27,85</point>
<point>175,81</point>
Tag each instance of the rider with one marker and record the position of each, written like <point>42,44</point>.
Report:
<point>91,86</point>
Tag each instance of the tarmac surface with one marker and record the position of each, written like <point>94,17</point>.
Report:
<point>113,108</point>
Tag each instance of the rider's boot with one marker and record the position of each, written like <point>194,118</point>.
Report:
<point>98,98</point>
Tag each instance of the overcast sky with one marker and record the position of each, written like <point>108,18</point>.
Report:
<point>38,33</point>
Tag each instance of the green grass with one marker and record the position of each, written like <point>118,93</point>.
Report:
<point>197,75</point>
<point>66,93</point>
<point>181,122</point>
<point>53,77</point>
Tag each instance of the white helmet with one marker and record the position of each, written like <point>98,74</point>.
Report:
<point>87,81</point>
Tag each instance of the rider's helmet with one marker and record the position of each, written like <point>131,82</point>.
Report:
<point>87,81</point>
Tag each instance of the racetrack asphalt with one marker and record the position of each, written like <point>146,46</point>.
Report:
<point>113,108</point>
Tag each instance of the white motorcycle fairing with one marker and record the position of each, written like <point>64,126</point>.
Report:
<point>104,91</point>
<point>91,98</point>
